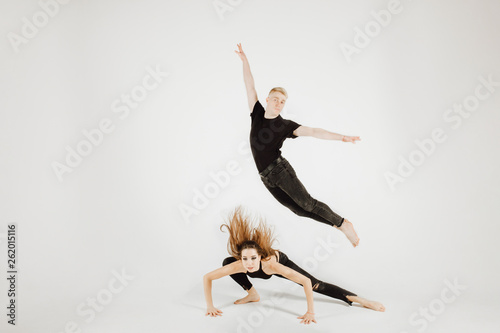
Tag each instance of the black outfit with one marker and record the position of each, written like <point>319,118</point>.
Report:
<point>266,138</point>
<point>318,286</point>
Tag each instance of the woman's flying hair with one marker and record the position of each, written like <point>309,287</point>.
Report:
<point>244,235</point>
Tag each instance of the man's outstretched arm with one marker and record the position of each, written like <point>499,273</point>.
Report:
<point>320,133</point>
<point>248,78</point>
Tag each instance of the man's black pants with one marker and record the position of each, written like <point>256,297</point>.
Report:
<point>280,179</point>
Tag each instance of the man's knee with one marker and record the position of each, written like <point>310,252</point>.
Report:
<point>308,205</point>
<point>301,212</point>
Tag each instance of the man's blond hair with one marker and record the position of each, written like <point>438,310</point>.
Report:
<point>280,90</point>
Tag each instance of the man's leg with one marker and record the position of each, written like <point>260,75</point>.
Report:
<point>288,182</point>
<point>288,202</point>
<point>297,199</point>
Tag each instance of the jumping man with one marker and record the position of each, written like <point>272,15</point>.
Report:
<point>268,131</point>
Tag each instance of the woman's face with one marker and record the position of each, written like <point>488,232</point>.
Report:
<point>250,259</point>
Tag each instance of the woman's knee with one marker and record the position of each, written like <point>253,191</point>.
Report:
<point>228,260</point>
<point>318,286</point>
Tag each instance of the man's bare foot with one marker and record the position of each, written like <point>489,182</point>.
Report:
<point>374,306</point>
<point>252,296</point>
<point>367,304</point>
<point>348,230</point>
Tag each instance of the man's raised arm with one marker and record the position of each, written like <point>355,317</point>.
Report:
<point>247,76</point>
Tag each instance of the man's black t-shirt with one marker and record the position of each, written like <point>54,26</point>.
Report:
<point>267,136</point>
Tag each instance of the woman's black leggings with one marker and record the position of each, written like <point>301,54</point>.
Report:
<point>317,285</point>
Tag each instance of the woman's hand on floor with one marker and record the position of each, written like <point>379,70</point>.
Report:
<point>213,312</point>
<point>307,318</point>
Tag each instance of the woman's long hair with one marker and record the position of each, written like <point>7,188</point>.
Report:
<point>243,235</point>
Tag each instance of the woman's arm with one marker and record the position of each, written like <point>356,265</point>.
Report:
<point>295,276</point>
<point>320,133</point>
<point>235,267</point>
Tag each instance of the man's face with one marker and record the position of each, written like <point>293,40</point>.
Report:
<point>275,102</point>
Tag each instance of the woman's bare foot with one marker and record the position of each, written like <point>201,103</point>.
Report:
<point>252,296</point>
<point>348,230</point>
<point>367,304</point>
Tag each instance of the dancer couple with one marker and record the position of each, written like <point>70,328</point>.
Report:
<point>251,246</point>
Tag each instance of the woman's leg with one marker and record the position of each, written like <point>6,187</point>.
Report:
<point>331,290</point>
<point>367,303</point>
<point>318,286</point>
<point>242,280</point>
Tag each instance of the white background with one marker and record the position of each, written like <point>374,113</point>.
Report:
<point>119,209</point>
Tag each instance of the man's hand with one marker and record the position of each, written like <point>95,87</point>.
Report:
<point>248,78</point>
<point>352,139</point>
<point>240,53</point>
